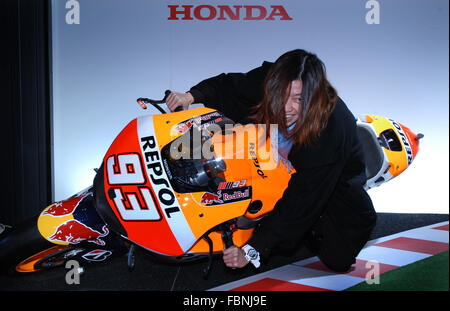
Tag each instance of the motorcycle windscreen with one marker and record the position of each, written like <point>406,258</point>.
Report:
<point>139,192</point>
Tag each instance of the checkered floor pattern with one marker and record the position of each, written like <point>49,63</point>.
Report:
<point>380,255</point>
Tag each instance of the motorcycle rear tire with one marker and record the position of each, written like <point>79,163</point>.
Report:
<point>20,243</point>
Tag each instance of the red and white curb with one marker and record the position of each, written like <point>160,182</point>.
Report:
<point>387,253</point>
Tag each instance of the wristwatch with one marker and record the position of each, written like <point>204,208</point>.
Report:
<point>252,255</point>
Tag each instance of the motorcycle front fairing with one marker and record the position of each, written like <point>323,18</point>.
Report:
<point>167,204</point>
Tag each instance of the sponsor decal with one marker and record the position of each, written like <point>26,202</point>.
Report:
<point>183,127</point>
<point>252,153</point>
<point>97,255</point>
<point>65,207</point>
<point>232,184</point>
<point>160,182</point>
<point>236,195</point>
<point>73,232</point>
<point>405,142</point>
<point>226,196</point>
<point>210,198</point>
<point>200,122</point>
<point>162,190</point>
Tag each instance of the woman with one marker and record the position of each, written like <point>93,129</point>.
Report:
<point>324,206</point>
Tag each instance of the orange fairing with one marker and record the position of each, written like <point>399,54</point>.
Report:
<point>129,179</point>
<point>141,176</point>
<point>28,264</point>
<point>250,166</point>
<point>413,139</point>
<point>250,157</point>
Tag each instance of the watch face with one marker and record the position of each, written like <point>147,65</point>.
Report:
<point>252,253</point>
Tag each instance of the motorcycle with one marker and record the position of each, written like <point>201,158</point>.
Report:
<point>181,186</point>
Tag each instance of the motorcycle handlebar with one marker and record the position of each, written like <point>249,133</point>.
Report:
<point>142,101</point>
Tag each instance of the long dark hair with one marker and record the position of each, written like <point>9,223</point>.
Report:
<point>319,96</point>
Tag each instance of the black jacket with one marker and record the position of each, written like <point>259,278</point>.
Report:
<point>330,174</point>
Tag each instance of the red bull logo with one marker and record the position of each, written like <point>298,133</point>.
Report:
<point>63,208</point>
<point>210,198</point>
<point>226,196</point>
<point>236,195</point>
<point>73,232</point>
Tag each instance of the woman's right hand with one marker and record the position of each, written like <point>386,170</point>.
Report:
<point>176,99</point>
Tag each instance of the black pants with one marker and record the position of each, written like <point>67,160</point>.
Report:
<point>342,231</point>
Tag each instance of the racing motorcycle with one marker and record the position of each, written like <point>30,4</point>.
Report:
<point>181,186</point>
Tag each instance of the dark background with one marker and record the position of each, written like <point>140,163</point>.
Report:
<point>25,125</point>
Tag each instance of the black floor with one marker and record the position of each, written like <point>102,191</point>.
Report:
<point>150,275</point>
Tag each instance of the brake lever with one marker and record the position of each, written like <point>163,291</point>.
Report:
<point>142,101</point>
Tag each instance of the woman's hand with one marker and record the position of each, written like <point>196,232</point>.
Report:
<point>176,99</point>
<point>234,257</point>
